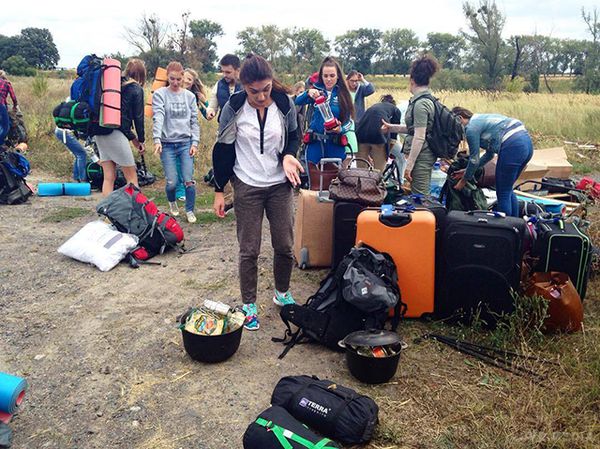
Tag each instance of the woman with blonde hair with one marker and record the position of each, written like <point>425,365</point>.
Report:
<point>113,144</point>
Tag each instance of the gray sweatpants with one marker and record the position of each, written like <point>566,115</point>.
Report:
<point>251,204</point>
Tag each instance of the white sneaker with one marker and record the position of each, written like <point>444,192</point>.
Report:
<point>173,209</point>
<point>191,218</point>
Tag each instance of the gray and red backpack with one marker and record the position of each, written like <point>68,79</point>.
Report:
<point>129,210</point>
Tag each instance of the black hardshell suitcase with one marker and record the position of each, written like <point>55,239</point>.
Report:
<point>481,258</point>
<point>428,202</point>
<point>563,246</point>
<point>345,214</point>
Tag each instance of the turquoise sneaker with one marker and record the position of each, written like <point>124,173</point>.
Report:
<point>251,322</point>
<point>283,299</point>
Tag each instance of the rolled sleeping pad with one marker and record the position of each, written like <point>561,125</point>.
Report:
<point>12,391</point>
<point>110,104</point>
<point>160,80</point>
<point>64,188</point>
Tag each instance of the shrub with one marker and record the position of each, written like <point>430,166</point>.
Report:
<point>17,66</point>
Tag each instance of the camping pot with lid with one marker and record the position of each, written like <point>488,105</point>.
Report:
<point>372,356</point>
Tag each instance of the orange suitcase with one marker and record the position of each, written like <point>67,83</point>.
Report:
<point>409,238</point>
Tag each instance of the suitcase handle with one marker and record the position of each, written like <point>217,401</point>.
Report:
<point>495,213</point>
<point>322,162</point>
<point>396,220</point>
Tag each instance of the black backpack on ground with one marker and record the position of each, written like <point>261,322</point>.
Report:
<point>446,132</point>
<point>357,295</point>
<point>275,428</point>
<point>13,189</point>
<point>95,176</point>
<point>333,410</point>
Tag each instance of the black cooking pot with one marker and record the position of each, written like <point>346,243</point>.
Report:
<point>210,348</point>
<point>369,369</point>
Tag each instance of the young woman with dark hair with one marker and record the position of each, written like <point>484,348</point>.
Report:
<point>333,86</point>
<point>419,119</point>
<point>496,134</point>
<point>256,151</point>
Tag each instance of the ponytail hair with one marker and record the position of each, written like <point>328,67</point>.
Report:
<point>256,68</point>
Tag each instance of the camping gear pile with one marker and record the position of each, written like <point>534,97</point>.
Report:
<point>309,413</point>
<point>14,167</point>
<point>211,333</point>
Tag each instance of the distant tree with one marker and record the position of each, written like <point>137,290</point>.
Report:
<point>357,48</point>
<point>37,47</point>
<point>305,48</point>
<point>447,48</point>
<point>149,34</point>
<point>573,54</point>
<point>18,66</point>
<point>9,46</point>
<point>269,41</point>
<point>399,46</point>
<point>202,46</point>
<point>158,57</point>
<point>179,40</point>
<point>591,70</point>
<point>119,57</point>
<point>486,23</point>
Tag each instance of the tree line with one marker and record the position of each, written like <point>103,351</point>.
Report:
<point>479,52</point>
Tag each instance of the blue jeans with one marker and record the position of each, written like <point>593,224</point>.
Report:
<point>514,155</point>
<point>4,123</point>
<point>171,153</point>
<point>78,151</point>
<point>180,189</point>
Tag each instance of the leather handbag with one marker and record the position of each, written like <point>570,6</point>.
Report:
<point>565,311</point>
<point>358,185</point>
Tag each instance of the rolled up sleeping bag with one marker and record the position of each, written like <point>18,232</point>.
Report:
<point>275,428</point>
<point>110,105</point>
<point>64,188</point>
<point>331,409</point>
<point>12,391</point>
<point>160,80</point>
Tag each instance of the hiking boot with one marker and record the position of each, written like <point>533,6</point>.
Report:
<point>173,209</point>
<point>228,207</point>
<point>191,218</point>
<point>283,299</point>
<point>251,321</point>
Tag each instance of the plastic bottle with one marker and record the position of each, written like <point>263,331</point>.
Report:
<point>438,178</point>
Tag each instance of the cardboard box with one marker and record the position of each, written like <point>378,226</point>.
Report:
<point>555,160</point>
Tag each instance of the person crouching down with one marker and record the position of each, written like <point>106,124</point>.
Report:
<point>256,150</point>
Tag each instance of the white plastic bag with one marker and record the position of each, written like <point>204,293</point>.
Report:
<point>100,244</point>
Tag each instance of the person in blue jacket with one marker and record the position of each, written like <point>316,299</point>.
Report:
<point>501,135</point>
<point>331,83</point>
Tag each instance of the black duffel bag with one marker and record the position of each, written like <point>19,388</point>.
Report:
<point>275,428</point>
<point>335,411</point>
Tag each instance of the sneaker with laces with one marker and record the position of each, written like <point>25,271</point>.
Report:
<point>251,322</point>
<point>283,299</point>
<point>228,208</point>
<point>191,218</point>
<point>173,209</point>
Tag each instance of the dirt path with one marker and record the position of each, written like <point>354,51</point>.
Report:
<point>105,362</point>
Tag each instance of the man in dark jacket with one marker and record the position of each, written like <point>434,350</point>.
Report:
<point>225,87</point>
<point>371,142</point>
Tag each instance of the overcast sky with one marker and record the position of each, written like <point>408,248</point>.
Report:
<point>77,32</point>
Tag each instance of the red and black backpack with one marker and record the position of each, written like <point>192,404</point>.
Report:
<point>129,210</point>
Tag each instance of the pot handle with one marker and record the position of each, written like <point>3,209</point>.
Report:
<point>342,344</point>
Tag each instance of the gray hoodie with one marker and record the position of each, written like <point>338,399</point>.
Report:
<point>174,116</point>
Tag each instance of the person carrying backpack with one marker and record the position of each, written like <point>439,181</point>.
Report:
<point>6,89</point>
<point>256,149</point>
<point>419,120</point>
<point>113,144</point>
<point>176,133</point>
<point>496,134</point>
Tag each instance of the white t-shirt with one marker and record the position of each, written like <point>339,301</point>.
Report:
<point>256,166</point>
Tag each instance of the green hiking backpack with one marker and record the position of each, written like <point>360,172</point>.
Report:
<point>73,115</point>
<point>471,197</point>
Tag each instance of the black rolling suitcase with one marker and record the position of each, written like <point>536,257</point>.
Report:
<point>562,246</point>
<point>344,229</point>
<point>480,262</point>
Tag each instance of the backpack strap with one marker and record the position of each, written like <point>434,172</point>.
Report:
<point>283,435</point>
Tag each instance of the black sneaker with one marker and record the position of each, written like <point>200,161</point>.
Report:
<point>228,207</point>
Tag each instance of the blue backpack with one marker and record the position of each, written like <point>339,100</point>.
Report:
<point>87,87</point>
